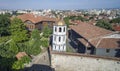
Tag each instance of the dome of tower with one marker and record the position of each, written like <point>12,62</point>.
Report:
<point>61,22</point>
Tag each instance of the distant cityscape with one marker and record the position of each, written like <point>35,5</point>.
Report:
<point>111,13</point>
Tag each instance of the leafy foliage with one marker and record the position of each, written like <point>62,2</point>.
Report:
<point>44,42</point>
<point>104,24</point>
<point>66,19</point>
<point>6,63</point>
<point>13,47</point>
<point>18,30</point>
<point>34,43</point>
<point>4,25</point>
<point>47,32</point>
<point>116,20</point>
<point>19,41</point>
<point>4,39</point>
<point>18,65</point>
<point>5,51</point>
<point>78,18</point>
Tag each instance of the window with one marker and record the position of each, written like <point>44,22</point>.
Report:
<point>55,47</point>
<point>59,47</point>
<point>54,38</point>
<point>59,39</point>
<point>60,29</point>
<point>89,48</point>
<point>30,26</point>
<point>107,50</point>
<point>63,48</point>
<point>55,29</point>
<point>64,29</point>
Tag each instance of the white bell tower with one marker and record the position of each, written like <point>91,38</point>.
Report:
<point>59,37</point>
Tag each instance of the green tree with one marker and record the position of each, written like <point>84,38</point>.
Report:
<point>6,63</point>
<point>13,47</point>
<point>116,20</point>
<point>4,25</point>
<point>34,43</point>
<point>104,24</point>
<point>47,32</point>
<point>7,57</point>
<point>66,19</point>
<point>81,18</point>
<point>18,65</point>
<point>5,51</point>
<point>18,30</point>
<point>44,42</point>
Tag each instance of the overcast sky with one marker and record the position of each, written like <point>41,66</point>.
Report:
<point>58,4</point>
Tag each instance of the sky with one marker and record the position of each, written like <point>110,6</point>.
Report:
<point>58,4</point>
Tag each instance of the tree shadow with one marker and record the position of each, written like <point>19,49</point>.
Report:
<point>117,53</point>
<point>51,40</point>
<point>6,63</point>
<point>118,50</point>
<point>38,67</point>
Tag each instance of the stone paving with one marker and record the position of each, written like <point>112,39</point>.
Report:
<point>40,63</point>
<point>42,59</point>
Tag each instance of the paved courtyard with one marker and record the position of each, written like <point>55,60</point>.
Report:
<point>40,63</point>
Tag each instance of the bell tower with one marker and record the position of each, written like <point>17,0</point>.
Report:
<point>59,36</point>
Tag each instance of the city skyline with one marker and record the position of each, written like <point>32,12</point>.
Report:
<point>62,4</point>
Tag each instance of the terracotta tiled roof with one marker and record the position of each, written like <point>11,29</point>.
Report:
<point>116,27</point>
<point>102,43</point>
<point>20,55</point>
<point>34,18</point>
<point>93,35</point>
<point>109,43</point>
<point>89,31</point>
<point>95,42</point>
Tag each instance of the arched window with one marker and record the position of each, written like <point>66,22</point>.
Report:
<point>30,26</point>
<point>64,29</point>
<point>60,29</point>
<point>59,39</point>
<point>55,29</point>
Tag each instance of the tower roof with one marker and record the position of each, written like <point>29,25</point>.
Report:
<point>61,22</point>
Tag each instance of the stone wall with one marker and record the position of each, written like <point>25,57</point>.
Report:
<point>78,62</point>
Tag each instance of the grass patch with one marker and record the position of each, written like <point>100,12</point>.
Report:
<point>68,49</point>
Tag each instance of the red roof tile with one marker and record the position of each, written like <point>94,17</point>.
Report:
<point>35,18</point>
<point>116,27</point>
<point>93,35</point>
<point>109,43</point>
<point>89,31</point>
<point>20,55</point>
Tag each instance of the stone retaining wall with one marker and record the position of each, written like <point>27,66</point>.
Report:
<point>78,62</point>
